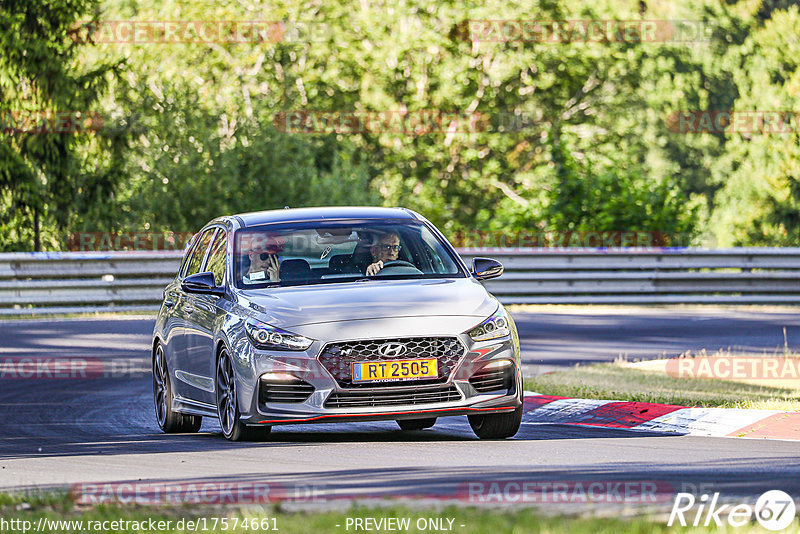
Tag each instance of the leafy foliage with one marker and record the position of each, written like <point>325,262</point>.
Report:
<point>569,136</point>
<point>49,176</point>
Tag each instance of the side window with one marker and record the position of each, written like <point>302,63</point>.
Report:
<point>216,260</point>
<point>187,253</point>
<point>199,252</point>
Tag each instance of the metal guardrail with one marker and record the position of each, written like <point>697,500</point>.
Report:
<point>72,282</point>
<point>68,282</point>
<point>647,276</point>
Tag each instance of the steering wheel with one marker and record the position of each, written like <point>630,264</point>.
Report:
<point>398,263</point>
<point>400,267</point>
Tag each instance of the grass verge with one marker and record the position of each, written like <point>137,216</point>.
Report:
<point>471,520</point>
<point>615,381</point>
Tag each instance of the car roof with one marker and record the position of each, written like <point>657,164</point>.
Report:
<point>258,218</point>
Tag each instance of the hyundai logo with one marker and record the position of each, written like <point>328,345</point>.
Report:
<point>392,350</point>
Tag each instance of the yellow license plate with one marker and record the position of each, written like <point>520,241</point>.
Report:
<point>395,370</point>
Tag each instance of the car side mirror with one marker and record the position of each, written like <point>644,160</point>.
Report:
<point>203,284</point>
<point>486,268</point>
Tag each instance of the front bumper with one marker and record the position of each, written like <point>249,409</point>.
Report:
<point>330,401</point>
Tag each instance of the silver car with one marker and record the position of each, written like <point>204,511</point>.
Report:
<point>331,315</point>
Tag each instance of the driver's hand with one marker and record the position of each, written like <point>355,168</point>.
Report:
<point>374,268</point>
<point>273,268</point>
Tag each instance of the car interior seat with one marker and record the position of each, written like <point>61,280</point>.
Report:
<point>297,269</point>
<point>341,263</point>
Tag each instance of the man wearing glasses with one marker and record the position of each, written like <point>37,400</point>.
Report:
<point>384,250</point>
<point>264,264</point>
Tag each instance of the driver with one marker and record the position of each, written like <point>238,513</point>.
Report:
<point>386,249</point>
<point>263,256</point>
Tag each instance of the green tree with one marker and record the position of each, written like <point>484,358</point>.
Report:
<point>48,177</point>
<point>572,135</point>
<point>758,203</point>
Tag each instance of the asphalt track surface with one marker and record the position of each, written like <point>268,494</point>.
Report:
<point>59,432</point>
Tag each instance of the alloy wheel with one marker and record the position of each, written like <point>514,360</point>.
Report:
<point>226,393</point>
<point>160,386</point>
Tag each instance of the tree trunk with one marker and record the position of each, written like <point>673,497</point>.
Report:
<point>37,245</point>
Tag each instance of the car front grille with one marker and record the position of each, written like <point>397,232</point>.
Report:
<point>338,357</point>
<point>272,391</point>
<point>365,399</point>
<point>488,380</point>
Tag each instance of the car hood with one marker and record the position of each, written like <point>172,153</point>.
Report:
<point>288,307</point>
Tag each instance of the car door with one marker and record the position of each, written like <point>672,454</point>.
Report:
<point>188,384</point>
<point>201,327</point>
<point>174,327</point>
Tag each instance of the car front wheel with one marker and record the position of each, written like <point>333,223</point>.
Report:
<point>496,425</point>
<point>227,404</point>
<point>169,421</point>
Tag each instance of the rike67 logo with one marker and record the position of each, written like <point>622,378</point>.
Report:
<point>774,510</point>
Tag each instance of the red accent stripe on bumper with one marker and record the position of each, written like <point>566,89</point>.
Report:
<point>349,415</point>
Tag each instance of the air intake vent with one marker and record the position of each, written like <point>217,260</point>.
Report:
<point>280,391</point>
<point>392,398</point>
<point>491,380</point>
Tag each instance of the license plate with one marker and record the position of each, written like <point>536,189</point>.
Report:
<point>395,370</point>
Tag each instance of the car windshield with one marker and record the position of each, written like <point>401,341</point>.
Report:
<point>318,253</point>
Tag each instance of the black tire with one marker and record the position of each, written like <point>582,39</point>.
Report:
<point>496,425</point>
<point>416,424</point>
<point>169,421</point>
<point>228,406</point>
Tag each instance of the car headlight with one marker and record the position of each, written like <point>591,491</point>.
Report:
<point>265,336</point>
<point>492,328</point>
